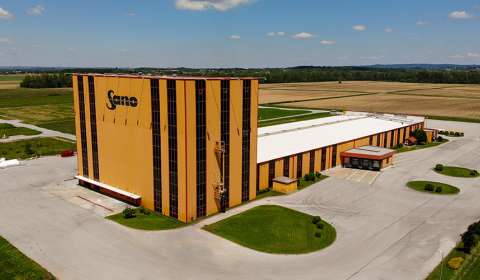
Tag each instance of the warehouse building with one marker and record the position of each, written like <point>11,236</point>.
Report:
<point>295,149</point>
<point>189,147</point>
<point>184,147</point>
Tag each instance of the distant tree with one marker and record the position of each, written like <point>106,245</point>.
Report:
<point>46,80</point>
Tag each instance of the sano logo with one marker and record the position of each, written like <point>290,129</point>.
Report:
<point>116,100</point>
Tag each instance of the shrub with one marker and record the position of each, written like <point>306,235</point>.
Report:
<point>439,167</point>
<point>316,219</point>
<point>320,225</point>
<point>457,133</point>
<point>468,239</point>
<point>318,234</point>
<point>309,177</point>
<point>452,133</point>
<point>420,135</point>
<point>143,210</point>
<point>455,263</point>
<point>438,189</point>
<point>462,134</point>
<point>429,187</point>
<point>129,213</point>
<point>318,175</point>
<point>399,146</point>
<point>440,139</point>
<point>473,173</point>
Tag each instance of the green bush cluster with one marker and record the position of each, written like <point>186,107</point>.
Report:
<point>45,80</point>
<point>439,167</point>
<point>451,133</point>
<point>309,177</point>
<point>473,172</point>
<point>429,187</point>
<point>129,213</point>
<point>420,135</point>
<point>470,237</point>
<point>317,221</point>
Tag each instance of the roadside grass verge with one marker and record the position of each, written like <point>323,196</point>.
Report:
<point>454,119</point>
<point>15,265</point>
<point>267,193</point>
<point>274,229</point>
<point>303,183</point>
<point>11,130</point>
<point>420,147</point>
<point>62,125</point>
<point>271,113</point>
<point>294,119</point>
<point>147,221</point>
<point>433,187</point>
<point>455,171</point>
<point>34,147</point>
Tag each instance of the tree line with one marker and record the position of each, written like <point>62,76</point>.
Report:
<point>282,75</point>
<point>46,80</point>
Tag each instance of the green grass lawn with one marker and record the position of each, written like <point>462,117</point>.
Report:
<point>457,172</point>
<point>274,229</point>
<point>16,266</point>
<point>39,146</point>
<point>470,269</point>
<point>445,188</point>
<point>11,130</point>
<point>419,147</point>
<point>150,221</point>
<point>271,113</point>
<point>293,119</point>
<point>12,77</point>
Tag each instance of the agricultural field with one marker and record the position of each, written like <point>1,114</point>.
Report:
<point>10,81</point>
<point>48,108</point>
<point>447,101</point>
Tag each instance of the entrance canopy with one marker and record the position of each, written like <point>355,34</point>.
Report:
<point>369,152</point>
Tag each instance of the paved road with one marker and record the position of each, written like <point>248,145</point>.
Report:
<point>45,132</point>
<point>385,230</point>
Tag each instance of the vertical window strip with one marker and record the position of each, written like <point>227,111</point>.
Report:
<point>286,167</point>
<point>83,126</point>
<point>312,162</point>
<point>156,141</point>
<point>271,173</point>
<point>323,164</point>
<point>392,135</point>
<point>299,165</point>
<point>93,127</point>
<point>172,147</point>
<point>246,119</point>
<point>201,129</point>
<point>225,135</point>
<point>334,156</point>
<point>378,140</point>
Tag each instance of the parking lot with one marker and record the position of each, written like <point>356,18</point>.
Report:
<point>384,230</point>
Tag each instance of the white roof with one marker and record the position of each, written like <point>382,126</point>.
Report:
<point>292,138</point>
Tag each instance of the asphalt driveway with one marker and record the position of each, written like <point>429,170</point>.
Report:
<point>384,230</point>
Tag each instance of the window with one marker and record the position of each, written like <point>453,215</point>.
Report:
<point>172,147</point>
<point>286,167</point>
<point>271,173</point>
<point>385,135</point>
<point>201,128</point>
<point>93,126</point>
<point>225,131</point>
<point>334,156</point>
<point>378,140</point>
<point>392,135</point>
<point>404,134</point>
<point>370,140</point>
<point>312,162</point>
<point>398,137</point>
<point>299,166</point>
<point>83,126</point>
<point>246,139</point>
<point>323,164</point>
<point>157,159</point>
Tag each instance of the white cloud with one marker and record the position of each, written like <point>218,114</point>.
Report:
<point>303,35</point>
<point>6,41</point>
<point>456,56</point>
<point>374,57</point>
<point>474,55</point>
<point>4,14</point>
<point>327,42</point>
<point>234,37</point>
<point>131,14</point>
<point>422,22</point>
<point>273,34</point>
<point>388,30</point>
<point>71,49</point>
<point>359,27</point>
<point>201,5</point>
<point>36,11</point>
<point>467,55</point>
<point>460,15</point>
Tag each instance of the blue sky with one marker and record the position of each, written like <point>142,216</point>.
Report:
<point>237,33</point>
